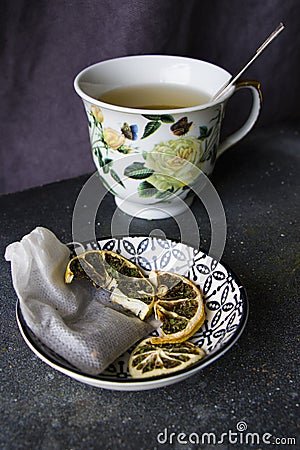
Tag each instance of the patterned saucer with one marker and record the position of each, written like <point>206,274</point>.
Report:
<point>225,299</point>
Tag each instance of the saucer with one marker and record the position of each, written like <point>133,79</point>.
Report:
<point>225,301</point>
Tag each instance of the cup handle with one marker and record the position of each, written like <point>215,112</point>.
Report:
<point>254,113</point>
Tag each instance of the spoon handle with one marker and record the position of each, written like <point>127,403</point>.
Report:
<point>234,78</point>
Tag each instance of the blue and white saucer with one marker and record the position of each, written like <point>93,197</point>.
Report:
<point>225,300</point>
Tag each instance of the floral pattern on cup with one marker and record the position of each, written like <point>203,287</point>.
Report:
<point>170,166</point>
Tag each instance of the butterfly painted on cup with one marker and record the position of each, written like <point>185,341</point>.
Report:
<point>130,131</point>
<point>181,127</point>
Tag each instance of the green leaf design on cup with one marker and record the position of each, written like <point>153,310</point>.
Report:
<point>150,128</point>
<point>107,165</point>
<point>165,118</point>
<point>98,153</point>
<point>116,177</point>
<point>138,171</point>
<point>146,190</point>
<point>204,132</point>
<point>155,122</point>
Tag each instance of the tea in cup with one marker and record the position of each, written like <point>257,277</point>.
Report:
<point>153,128</point>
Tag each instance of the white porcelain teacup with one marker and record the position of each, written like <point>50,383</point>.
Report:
<point>148,154</point>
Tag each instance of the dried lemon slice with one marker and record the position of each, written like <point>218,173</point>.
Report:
<point>136,295</point>
<point>117,266</point>
<point>176,301</point>
<point>101,267</point>
<point>152,360</point>
<point>107,269</point>
<point>88,265</point>
<point>179,307</point>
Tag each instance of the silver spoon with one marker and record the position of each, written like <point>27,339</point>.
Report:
<point>234,78</point>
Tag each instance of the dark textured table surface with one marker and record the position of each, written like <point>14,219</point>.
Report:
<point>255,382</point>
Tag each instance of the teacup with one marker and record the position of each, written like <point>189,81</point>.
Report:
<point>153,128</point>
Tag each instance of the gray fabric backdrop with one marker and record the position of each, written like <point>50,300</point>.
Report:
<point>44,44</point>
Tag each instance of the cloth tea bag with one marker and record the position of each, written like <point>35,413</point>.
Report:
<point>69,319</point>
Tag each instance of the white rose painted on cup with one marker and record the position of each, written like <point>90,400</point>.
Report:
<point>173,161</point>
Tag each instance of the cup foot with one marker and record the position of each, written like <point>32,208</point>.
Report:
<point>155,211</point>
